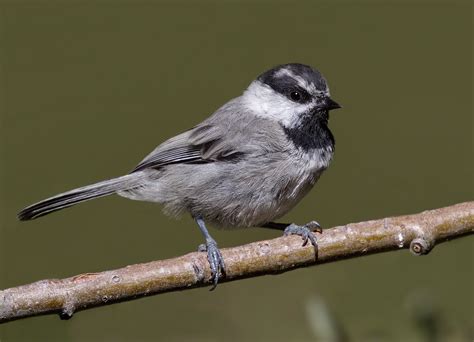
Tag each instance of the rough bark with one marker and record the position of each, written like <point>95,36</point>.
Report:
<point>419,233</point>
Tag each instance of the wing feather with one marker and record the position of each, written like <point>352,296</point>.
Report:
<point>218,138</point>
<point>202,144</point>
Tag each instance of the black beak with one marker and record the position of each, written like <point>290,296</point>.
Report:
<point>330,104</point>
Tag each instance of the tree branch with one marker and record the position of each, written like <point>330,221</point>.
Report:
<point>419,232</point>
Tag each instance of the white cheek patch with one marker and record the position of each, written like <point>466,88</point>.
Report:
<point>263,101</point>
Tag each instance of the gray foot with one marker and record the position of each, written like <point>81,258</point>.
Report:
<point>306,232</point>
<point>216,262</point>
<point>214,256</point>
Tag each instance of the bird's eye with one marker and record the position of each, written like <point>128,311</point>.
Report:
<point>295,96</point>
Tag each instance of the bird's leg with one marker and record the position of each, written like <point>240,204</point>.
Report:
<point>216,262</point>
<point>305,231</point>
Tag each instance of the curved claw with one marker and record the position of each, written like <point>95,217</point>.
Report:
<point>216,262</point>
<point>314,226</point>
<point>306,233</point>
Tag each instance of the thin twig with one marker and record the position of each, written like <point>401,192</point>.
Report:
<point>419,232</point>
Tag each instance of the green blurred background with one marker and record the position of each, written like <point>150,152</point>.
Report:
<point>88,88</point>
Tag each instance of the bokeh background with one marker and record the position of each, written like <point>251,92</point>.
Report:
<point>88,88</point>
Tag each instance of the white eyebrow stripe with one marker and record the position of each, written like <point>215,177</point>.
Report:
<point>285,72</point>
<point>301,81</point>
<point>309,87</point>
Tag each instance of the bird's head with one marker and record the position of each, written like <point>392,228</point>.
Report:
<point>290,93</point>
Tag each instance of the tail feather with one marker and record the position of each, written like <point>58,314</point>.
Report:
<point>79,195</point>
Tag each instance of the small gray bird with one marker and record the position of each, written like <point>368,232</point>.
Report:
<point>246,165</point>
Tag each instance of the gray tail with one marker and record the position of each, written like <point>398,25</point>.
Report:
<point>79,195</point>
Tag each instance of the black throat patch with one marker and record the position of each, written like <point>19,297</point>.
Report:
<point>312,132</point>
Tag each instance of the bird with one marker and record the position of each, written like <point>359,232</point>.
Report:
<point>246,165</point>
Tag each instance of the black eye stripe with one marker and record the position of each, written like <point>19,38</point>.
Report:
<point>286,80</point>
<point>303,94</point>
<point>285,85</point>
<point>280,78</point>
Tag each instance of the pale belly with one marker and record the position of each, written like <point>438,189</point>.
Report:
<point>230,195</point>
